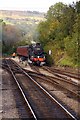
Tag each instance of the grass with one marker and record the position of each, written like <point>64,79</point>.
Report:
<point>67,61</point>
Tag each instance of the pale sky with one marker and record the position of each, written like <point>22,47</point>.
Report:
<point>32,5</point>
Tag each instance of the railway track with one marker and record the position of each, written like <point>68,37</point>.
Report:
<point>71,88</point>
<point>13,105</point>
<point>41,103</point>
<point>22,103</point>
<point>64,74</point>
<point>68,85</point>
<point>35,68</point>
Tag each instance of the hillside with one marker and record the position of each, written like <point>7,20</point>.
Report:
<point>17,17</point>
<point>19,27</point>
<point>25,21</point>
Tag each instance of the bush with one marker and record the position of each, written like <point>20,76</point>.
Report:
<point>49,60</point>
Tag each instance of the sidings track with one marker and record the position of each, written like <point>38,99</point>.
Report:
<point>41,103</point>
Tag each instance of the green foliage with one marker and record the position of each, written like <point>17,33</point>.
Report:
<point>78,7</point>
<point>1,20</point>
<point>54,47</point>
<point>71,48</point>
<point>61,33</point>
<point>43,33</point>
<point>49,60</point>
<point>55,11</point>
<point>66,61</point>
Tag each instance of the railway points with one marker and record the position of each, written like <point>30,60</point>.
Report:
<point>43,84</point>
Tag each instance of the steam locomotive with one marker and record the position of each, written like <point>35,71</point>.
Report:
<point>33,53</point>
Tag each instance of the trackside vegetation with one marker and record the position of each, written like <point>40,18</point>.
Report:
<point>60,33</point>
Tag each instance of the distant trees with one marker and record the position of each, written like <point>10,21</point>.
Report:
<point>13,36</point>
<point>1,25</point>
<point>19,28</point>
<point>10,35</point>
<point>61,32</point>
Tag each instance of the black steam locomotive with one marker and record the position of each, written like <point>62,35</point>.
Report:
<point>34,53</point>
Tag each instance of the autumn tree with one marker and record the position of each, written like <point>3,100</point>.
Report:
<point>60,32</point>
<point>10,35</point>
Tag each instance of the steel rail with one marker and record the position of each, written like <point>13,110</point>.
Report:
<point>68,72</point>
<point>61,76</point>
<point>64,72</point>
<point>50,80</point>
<point>22,93</point>
<point>72,116</point>
<point>56,76</point>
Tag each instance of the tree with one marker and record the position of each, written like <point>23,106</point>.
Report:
<point>10,35</point>
<point>56,11</point>
<point>43,29</point>
<point>77,7</point>
<point>61,31</point>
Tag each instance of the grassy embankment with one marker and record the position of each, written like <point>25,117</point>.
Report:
<point>60,57</point>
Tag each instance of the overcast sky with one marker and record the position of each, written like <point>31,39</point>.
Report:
<point>32,5</point>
